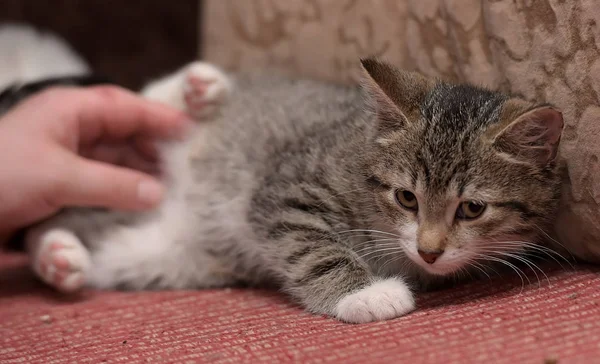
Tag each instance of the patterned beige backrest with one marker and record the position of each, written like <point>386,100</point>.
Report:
<point>545,50</point>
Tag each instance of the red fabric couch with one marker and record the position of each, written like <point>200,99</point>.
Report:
<point>490,321</point>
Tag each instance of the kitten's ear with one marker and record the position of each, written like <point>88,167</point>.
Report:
<point>397,94</point>
<point>531,133</point>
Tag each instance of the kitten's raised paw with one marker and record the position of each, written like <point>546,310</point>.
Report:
<point>382,300</point>
<point>61,260</point>
<point>205,88</point>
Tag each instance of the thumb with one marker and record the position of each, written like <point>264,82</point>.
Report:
<point>105,185</point>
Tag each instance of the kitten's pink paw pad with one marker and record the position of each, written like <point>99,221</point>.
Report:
<point>382,300</point>
<point>61,261</point>
<point>194,92</point>
<point>205,88</point>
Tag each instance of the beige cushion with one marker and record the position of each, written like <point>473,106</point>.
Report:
<point>546,52</point>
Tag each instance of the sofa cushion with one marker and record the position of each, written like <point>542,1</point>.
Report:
<point>543,50</point>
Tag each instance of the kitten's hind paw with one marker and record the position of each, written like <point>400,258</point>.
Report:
<point>382,300</point>
<point>205,89</point>
<point>61,260</point>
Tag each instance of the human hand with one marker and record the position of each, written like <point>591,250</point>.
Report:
<point>72,146</point>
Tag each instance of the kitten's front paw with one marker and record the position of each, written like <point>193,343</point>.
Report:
<point>382,300</point>
<point>205,88</point>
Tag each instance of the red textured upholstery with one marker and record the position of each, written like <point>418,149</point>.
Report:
<point>486,322</point>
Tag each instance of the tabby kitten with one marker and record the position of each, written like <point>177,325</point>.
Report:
<point>346,200</point>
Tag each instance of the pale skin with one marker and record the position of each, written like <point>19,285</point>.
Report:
<point>80,147</point>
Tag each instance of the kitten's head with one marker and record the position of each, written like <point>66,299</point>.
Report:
<point>464,175</point>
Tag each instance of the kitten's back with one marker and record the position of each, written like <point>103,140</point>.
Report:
<point>272,110</point>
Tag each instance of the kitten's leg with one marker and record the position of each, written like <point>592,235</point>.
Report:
<point>59,258</point>
<point>199,88</point>
<point>332,280</point>
<point>205,89</point>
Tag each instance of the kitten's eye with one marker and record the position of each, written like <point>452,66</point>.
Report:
<point>407,199</point>
<point>469,210</point>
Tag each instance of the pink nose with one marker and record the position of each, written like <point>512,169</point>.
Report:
<point>430,257</point>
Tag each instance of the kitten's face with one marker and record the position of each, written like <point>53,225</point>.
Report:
<point>464,176</point>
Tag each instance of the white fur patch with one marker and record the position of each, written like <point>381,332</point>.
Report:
<point>30,55</point>
<point>382,300</point>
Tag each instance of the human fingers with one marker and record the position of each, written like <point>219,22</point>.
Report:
<point>113,112</point>
<point>108,112</point>
<point>125,155</point>
<point>94,183</point>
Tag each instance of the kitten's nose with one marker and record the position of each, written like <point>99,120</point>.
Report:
<point>430,257</point>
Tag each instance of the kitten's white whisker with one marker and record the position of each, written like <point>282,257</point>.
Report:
<point>370,236</point>
<point>544,258</point>
<point>384,250</point>
<point>530,262</point>
<point>380,244</point>
<point>369,231</point>
<point>488,267</point>
<point>466,271</point>
<point>524,245</point>
<point>378,239</point>
<point>533,246</point>
<point>542,254</point>
<point>508,264</point>
<point>527,262</point>
<point>379,253</point>
<point>474,261</point>
<point>550,252</point>
<point>472,264</point>
<point>554,240</point>
<point>455,274</point>
<point>393,258</point>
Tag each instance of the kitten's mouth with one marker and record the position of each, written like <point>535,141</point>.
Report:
<point>443,266</point>
<point>441,270</point>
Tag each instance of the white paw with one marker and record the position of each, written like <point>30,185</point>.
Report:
<point>205,88</point>
<point>61,260</point>
<point>382,300</point>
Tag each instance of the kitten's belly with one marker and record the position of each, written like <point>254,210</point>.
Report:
<point>195,238</point>
<point>188,243</point>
